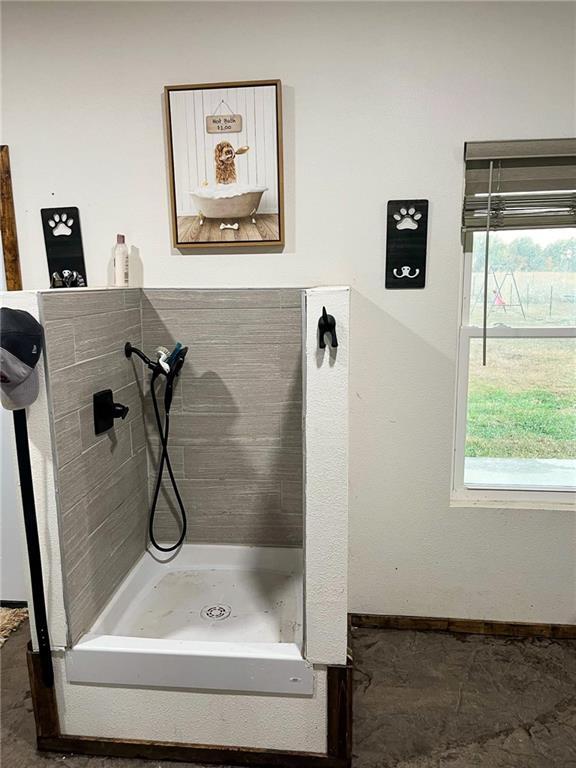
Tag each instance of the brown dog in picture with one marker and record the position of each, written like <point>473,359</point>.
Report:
<point>224,155</point>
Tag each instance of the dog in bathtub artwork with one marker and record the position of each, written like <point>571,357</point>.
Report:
<point>224,155</point>
<point>228,200</point>
<point>225,164</point>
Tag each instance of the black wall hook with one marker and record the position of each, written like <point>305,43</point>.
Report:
<point>327,324</point>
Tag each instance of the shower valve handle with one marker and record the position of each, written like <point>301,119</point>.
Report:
<point>120,411</point>
<point>106,410</point>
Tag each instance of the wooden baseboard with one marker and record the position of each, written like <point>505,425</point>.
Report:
<point>464,626</point>
<point>339,711</point>
<point>43,699</point>
<point>187,753</point>
<point>13,604</point>
<point>339,736</point>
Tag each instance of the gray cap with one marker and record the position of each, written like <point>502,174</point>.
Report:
<point>20,349</point>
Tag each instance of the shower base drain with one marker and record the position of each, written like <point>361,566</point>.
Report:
<point>215,612</point>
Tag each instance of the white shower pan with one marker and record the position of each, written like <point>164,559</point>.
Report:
<point>212,617</point>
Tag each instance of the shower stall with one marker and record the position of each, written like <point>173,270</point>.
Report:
<point>235,642</point>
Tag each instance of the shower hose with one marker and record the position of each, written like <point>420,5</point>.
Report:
<point>163,432</point>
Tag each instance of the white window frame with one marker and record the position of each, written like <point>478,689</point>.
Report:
<point>524,495</point>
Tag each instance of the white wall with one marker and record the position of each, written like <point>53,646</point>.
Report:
<point>12,552</point>
<point>13,566</point>
<point>379,99</point>
<point>41,461</point>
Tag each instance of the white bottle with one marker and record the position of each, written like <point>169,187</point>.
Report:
<point>121,262</point>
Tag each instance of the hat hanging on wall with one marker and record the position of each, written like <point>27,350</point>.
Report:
<point>20,349</point>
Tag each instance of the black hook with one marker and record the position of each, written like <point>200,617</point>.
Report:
<point>327,324</point>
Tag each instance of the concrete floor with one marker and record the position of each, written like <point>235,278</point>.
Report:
<point>421,700</point>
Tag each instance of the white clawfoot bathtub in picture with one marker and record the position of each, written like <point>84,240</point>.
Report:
<point>227,201</point>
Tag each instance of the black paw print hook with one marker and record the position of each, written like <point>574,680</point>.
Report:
<point>327,324</point>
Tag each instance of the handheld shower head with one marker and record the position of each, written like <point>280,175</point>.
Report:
<point>174,354</point>
<point>162,354</point>
<point>176,361</point>
<point>168,363</point>
<point>180,356</point>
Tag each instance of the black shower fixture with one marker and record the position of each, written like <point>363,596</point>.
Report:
<point>169,365</point>
<point>106,410</point>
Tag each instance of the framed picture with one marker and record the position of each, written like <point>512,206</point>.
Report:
<point>225,164</point>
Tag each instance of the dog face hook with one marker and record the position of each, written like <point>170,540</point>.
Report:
<point>405,272</point>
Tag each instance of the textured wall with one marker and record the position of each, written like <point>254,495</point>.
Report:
<point>100,480</point>
<point>194,717</point>
<point>326,480</point>
<point>439,74</point>
<point>236,419</point>
<point>41,459</point>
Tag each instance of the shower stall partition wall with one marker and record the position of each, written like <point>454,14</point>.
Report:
<point>234,648</point>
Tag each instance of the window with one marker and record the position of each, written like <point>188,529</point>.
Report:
<point>516,414</point>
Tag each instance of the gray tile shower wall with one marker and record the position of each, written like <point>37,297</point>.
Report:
<point>236,427</point>
<point>236,419</point>
<point>101,480</point>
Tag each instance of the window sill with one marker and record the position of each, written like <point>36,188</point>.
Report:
<point>547,504</point>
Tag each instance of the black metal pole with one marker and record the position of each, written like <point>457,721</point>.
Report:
<point>33,544</point>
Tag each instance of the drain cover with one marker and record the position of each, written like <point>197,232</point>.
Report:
<point>215,612</point>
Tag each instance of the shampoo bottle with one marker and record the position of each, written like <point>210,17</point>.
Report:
<point>121,262</point>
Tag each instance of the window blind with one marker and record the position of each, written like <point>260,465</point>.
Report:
<point>533,184</point>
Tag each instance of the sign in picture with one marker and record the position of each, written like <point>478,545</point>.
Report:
<point>224,124</point>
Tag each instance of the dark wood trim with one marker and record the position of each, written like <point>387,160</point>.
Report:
<point>340,712</point>
<point>466,626</point>
<point>8,225</point>
<point>13,604</point>
<point>187,753</point>
<point>43,699</point>
<point>339,737</point>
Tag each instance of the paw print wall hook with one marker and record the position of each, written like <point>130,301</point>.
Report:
<point>327,324</point>
<point>61,224</point>
<point>407,218</point>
